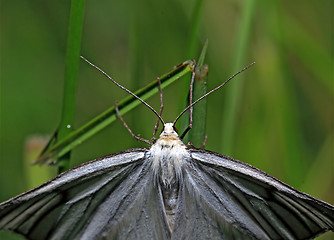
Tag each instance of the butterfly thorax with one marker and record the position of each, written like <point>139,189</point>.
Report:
<point>168,155</point>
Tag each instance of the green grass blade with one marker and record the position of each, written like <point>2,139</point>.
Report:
<point>323,168</point>
<point>191,54</point>
<point>198,131</point>
<point>193,44</point>
<point>71,74</point>
<point>195,26</point>
<point>234,93</point>
<point>137,55</point>
<point>314,55</point>
<point>101,121</point>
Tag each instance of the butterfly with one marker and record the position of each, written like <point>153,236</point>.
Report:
<point>166,191</point>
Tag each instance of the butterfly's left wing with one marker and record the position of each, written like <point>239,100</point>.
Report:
<point>112,197</point>
<point>228,199</point>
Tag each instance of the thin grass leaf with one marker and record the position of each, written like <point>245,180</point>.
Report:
<point>137,63</point>
<point>193,44</point>
<point>310,51</point>
<point>323,168</point>
<point>197,134</point>
<point>71,75</point>
<point>194,30</point>
<point>285,102</point>
<point>233,95</point>
<point>53,153</point>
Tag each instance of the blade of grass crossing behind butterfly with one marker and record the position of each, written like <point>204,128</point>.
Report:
<point>71,75</point>
<point>101,121</point>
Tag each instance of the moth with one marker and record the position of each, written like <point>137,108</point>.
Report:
<point>166,191</point>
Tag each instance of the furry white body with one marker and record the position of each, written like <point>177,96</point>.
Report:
<point>168,155</point>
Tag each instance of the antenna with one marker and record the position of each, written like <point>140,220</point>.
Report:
<point>124,88</point>
<point>155,112</point>
<point>208,93</point>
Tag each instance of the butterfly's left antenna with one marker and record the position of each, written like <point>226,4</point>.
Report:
<point>124,88</point>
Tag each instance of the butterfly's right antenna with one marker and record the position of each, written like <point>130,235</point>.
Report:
<point>125,89</point>
<point>205,95</point>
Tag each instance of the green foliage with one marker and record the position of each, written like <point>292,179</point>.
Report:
<point>282,122</point>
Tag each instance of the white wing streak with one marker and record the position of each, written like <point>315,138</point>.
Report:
<point>132,211</point>
<point>220,207</point>
<point>90,200</point>
<point>254,197</point>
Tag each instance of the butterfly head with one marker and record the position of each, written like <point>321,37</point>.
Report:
<point>169,133</point>
<point>169,129</point>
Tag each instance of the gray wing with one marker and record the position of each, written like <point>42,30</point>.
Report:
<point>112,197</point>
<point>227,199</point>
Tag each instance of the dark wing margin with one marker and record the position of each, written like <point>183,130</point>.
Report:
<point>105,198</point>
<point>241,199</point>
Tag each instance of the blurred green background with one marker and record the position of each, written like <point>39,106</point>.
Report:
<point>282,107</point>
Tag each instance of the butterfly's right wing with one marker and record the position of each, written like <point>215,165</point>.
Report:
<point>228,199</point>
<point>112,197</point>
